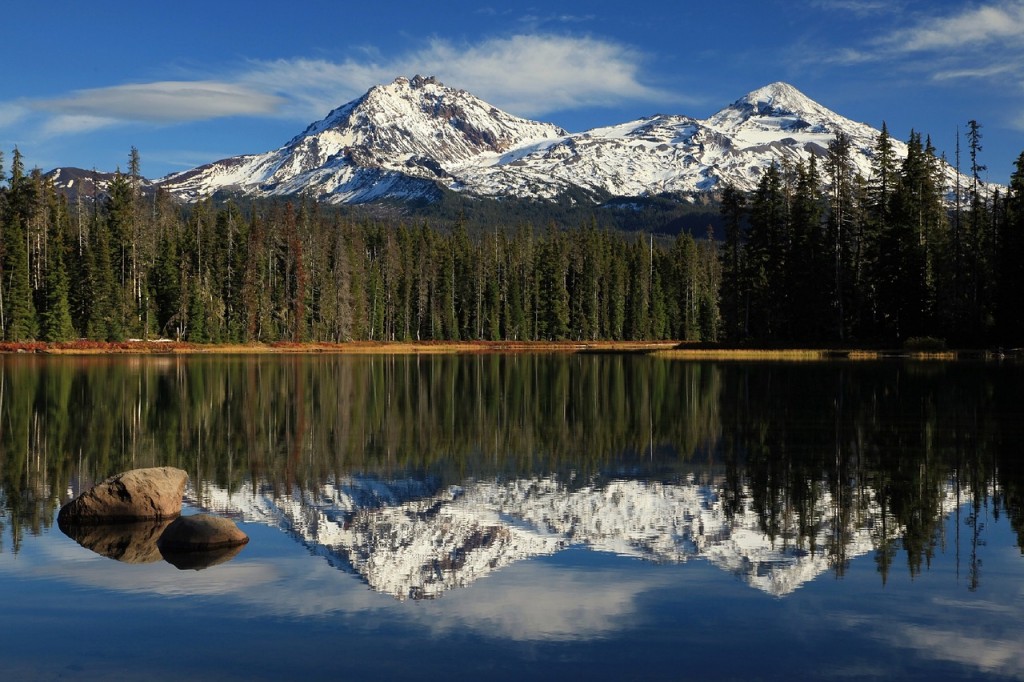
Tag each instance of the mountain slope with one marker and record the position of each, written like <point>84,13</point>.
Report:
<point>396,140</point>
<point>411,138</point>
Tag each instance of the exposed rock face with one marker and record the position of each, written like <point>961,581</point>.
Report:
<point>201,532</point>
<point>136,495</point>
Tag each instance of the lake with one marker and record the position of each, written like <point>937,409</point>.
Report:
<point>530,516</point>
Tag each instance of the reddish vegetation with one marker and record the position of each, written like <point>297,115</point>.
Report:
<point>83,347</point>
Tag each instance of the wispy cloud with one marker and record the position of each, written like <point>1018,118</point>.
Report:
<point>858,7</point>
<point>11,113</point>
<point>977,28</point>
<point>528,74</point>
<point>983,39</point>
<point>159,102</point>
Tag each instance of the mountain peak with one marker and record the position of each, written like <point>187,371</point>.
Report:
<point>780,95</point>
<point>778,99</point>
<point>414,135</point>
<point>778,106</point>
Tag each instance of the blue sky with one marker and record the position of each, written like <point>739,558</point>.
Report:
<point>191,82</point>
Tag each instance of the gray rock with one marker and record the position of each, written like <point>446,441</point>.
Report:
<point>199,533</point>
<point>136,495</point>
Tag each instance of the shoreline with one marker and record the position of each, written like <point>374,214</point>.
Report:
<point>671,350</point>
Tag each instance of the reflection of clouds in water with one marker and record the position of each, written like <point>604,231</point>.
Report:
<point>991,647</point>
<point>62,559</point>
<point>529,601</point>
<point>1007,608</point>
<point>1004,656</point>
<point>533,601</point>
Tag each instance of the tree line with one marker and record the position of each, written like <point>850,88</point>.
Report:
<point>817,254</point>
<point>135,266</point>
<point>821,254</point>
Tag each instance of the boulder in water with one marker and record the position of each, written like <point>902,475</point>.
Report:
<point>135,495</point>
<point>200,532</point>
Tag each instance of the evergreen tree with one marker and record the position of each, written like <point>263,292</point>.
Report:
<point>553,289</point>
<point>734,290</point>
<point>102,322</point>
<point>1010,310</point>
<point>900,272</point>
<point>20,316</point>
<point>766,251</point>
<point>56,317</point>
<point>845,239</point>
<point>978,247</point>
<point>808,279</point>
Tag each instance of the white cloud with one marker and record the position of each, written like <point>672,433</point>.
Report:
<point>11,113</point>
<point>976,27</point>
<point>980,42</point>
<point>858,7</point>
<point>988,71</point>
<point>70,124</point>
<point>534,75</point>
<point>161,102</point>
<point>529,75</point>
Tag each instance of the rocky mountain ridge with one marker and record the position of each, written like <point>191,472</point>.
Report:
<point>411,138</point>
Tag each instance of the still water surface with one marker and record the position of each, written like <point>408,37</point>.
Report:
<point>540,516</point>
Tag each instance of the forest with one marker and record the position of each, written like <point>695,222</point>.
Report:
<point>817,256</point>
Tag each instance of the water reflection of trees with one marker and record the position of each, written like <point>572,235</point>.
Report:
<point>905,432</point>
<point>882,441</point>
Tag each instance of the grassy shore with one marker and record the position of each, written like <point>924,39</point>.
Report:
<point>662,349</point>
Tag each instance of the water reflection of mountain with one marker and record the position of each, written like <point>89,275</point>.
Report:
<point>802,454</point>
<point>411,540</point>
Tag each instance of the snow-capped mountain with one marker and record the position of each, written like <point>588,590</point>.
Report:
<point>396,140</point>
<point>412,540</point>
<point>409,138</point>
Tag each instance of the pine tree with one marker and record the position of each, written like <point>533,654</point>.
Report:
<point>1010,302</point>
<point>103,321</point>
<point>20,315</point>
<point>844,242</point>
<point>734,289</point>
<point>978,246</point>
<point>766,250</point>
<point>808,279</point>
<point>56,317</point>
<point>554,293</point>
<point>901,262</point>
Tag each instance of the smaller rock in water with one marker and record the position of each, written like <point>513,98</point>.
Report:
<point>136,495</point>
<point>200,532</point>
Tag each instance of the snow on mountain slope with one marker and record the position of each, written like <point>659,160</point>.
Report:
<point>407,130</point>
<point>410,138</point>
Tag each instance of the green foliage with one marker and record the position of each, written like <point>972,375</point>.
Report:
<point>56,316</point>
<point>812,257</point>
